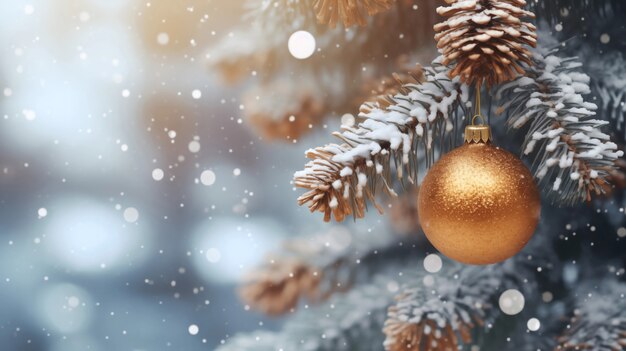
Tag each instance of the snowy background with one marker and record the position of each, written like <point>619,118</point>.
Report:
<point>132,196</point>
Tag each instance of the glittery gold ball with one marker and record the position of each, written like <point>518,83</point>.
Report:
<point>479,204</point>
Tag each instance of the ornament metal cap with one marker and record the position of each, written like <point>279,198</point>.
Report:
<point>477,133</point>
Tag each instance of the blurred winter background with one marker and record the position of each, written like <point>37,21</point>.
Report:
<point>132,196</point>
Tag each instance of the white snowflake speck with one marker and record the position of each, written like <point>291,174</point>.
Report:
<point>131,215</point>
<point>213,255</point>
<point>157,174</point>
<point>605,38</point>
<point>207,177</point>
<point>533,324</point>
<point>194,146</point>
<point>29,114</point>
<point>301,44</point>
<point>193,329</point>
<point>433,263</point>
<point>511,302</point>
<point>163,38</point>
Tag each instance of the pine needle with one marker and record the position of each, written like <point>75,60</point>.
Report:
<point>350,12</point>
<point>342,178</point>
<point>314,268</point>
<point>572,157</point>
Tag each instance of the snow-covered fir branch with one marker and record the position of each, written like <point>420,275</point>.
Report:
<point>573,11</point>
<point>351,321</point>
<point>455,308</point>
<point>262,45</point>
<point>457,302</point>
<point>599,321</point>
<point>289,106</point>
<point>259,340</point>
<point>315,267</point>
<point>572,157</point>
<point>421,320</point>
<point>349,12</point>
<point>259,51</point>
<point>422,119</point>
<point>452,312</point>
<point>256,47</point>
<point>608,82</point>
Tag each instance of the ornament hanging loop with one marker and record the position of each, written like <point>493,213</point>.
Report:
<point>480,133</point>
<point>482,120</point>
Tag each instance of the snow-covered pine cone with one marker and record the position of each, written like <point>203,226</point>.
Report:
<point>486,39</point>
<point>276,288</point>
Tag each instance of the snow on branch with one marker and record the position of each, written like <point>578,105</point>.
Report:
<point>572,157</point>
<point>447,319</point>
<point>350,12</point>
<point>568,11</point>
<point>350,321</point>
<point>461,301</point>
<point>608,82</point>
<point>261,45</point>
<point>258,51</point>
<point>316,267</point>
<point>599,321</point>
<point>288,107</point>
<point>256,341</point>
<point>425,116</point>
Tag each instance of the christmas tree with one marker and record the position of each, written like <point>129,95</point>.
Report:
<point>552,78</point>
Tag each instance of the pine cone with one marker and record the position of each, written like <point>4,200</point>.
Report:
<point>276,288</point>
<point>486,38</point>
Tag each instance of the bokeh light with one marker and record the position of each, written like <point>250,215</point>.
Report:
<point>301,44</point>
<point>225,249</point>
<point>65,308</point>
<point>85,235</point>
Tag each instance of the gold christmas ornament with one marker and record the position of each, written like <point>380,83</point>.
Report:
<point>479,204</point>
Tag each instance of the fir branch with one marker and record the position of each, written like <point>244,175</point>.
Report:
<point>350,321</point>
<point>350,12</point>
<point>612,106</point>
<point>573,158</point>
<point>403,214</point>
<point>259,51</point>
<point>425,116</point>
<point>599,321</point>
<point>448,319</point>
<point>382,90</point>
<point>261,46</point>
<point>608,82</point>
<point>313,267</point>
<point>463,301</point>
<point>574,10</point>
<point>259,340</point>
<point>287,107</point>
<point>242,53</point>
